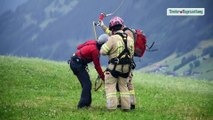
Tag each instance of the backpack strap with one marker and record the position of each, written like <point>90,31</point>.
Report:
<point>126,50</point>
<point>125,60</point>
<point>133,32</point>
<point>126,28</point>
<point>118,60</point>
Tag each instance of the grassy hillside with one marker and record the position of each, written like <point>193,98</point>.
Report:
<point>197,63</point>
<point>43,90</point>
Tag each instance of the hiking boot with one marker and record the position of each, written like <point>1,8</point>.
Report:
<point>132,107</point>
<point>118,106</point>
<point>84,107</point>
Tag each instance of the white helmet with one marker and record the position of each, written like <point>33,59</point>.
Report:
<point>102,38</point>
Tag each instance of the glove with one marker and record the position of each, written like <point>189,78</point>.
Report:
<point>101,23</point>
<point>101,16</point>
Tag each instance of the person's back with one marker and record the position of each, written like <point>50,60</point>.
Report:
<point>117,47</point>
<point>87,51</point>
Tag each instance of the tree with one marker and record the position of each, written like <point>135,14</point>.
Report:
<point>191,66</point>
<point>196,63</point>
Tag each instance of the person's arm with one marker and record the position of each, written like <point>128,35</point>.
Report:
<point>96,62</point>
<point>103,26</point>
<point>106,47</point>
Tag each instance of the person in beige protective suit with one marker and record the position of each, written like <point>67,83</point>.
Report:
<point>120,50</point>
<point>129,84</point>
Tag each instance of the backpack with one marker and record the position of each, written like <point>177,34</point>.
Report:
<point>89,42</point>
<point>140,41</point>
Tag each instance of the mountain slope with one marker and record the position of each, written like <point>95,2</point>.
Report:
<point>32,88</point>
<point>198,62</point>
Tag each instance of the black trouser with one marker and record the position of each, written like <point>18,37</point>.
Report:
<point>80,71</point>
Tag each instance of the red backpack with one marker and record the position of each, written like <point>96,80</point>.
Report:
<point>140,41</point>
<point>89,42</point>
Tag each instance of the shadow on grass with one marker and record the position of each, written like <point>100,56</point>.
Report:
<point>102,109</point>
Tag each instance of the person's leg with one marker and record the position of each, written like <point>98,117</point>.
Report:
<point>124,93</point>
<point>110,89</point>
<point>132,91</point>
<point>118,94</point>
<point>84,79</point>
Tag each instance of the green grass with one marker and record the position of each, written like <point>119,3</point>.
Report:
<point>38,89</point>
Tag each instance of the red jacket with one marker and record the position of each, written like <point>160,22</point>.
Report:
<point>89,52</point>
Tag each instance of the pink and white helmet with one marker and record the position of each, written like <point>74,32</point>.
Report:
<point>116,21</point>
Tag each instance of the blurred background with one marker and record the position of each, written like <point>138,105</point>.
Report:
<point>51,29</point>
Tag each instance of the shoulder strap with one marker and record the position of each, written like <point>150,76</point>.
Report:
<point>133,32</point>
<point>126,50</point>
<point>125,60</point>
<point>126,28</point>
